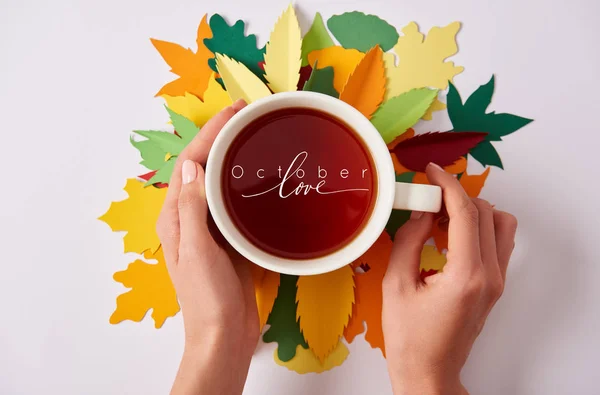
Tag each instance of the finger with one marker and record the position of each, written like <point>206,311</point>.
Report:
<point>487,235</point>
<point>193,211</point>
<point>506,228</point>
<point>197,150</point>
<point>463,228</point>
<point>405,259</point>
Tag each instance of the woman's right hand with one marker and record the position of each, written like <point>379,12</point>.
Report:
<point>430,326</point>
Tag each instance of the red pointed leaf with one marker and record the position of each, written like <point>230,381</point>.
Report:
<point>305,72</point>
<point>442,148</point>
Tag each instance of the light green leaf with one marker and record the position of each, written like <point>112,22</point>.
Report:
<point>164,173</point>
<point>168,142</point>
<point>316,38</point>
<point>399,113</point>
<point>152,156</point>
<point>363,32</point>
<point>183,126</point>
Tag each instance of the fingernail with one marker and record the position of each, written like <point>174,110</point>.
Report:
<point>416,214</point>
<point>435,166</point>
<point>188,171</point>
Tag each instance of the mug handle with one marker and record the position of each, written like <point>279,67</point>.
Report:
<point>417,197</point>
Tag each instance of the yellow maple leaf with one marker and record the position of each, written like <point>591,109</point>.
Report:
<point>196,110</point>
<point>306,362</point>
<point>422,61</point>
<point>343,61</point>
<point>266,285</point>
<point>432,259</point>
<point>192,68</point>
<point>137,215</point>
<point>324,308</point>
<point>151,288</point>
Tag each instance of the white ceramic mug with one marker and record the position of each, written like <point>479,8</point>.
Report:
<point>390,194</point>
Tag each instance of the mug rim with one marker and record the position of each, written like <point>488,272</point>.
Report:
<point>372,140</point>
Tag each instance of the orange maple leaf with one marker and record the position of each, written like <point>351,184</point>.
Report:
<point>368,293</point>
<point>191,67</point>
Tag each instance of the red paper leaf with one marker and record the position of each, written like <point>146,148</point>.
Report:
<point>442,148</point>
<point>148,176</point>
<point>305,72</point>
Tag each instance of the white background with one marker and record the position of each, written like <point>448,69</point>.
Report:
<point>77,77</point>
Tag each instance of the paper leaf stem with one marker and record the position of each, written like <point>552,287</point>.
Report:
<point>239,81</point>
<point>316,38</point>
<point>399,113</point>
<point>363,32</point>
<point>284,50</point>
<point>151,288</point>
<point>324,308</point>
<point>442,149</point>
<point>365,87</point>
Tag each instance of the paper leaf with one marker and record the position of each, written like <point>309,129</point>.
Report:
<point>399,113</point>
<point>149,175</point>
<point>422,61</point>
<point>239,81</point>
<point>184,127</point>
<point>343,61</point>
<point>137,215</point>
<point>151,288</point>
<point>431,259</point>
<point>365,87</point>
<point>472,114</point>
<point>473,184</point>
<point>231,41</point>
<point>321,80</point>
<point>305,72</point>
<point>163,175</point>
<point>153,157</point>
<point>316,38</point>
<point>439,233</point>
<point>196,110</point>
<point>192,67</point>
<point>437,105</point>
<point>167,142</point>
<point>442,149</point>
<point>324,308</point>
<point>486,154</point>
<point>266,284</point>
<point>306,362</point>
<point>369,298</point>
<point>283,54</point>
<point>398,217</point>
<point>363,32</point>
<point>284,328</point>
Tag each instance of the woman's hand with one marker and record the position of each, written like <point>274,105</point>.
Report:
<point>430,326</point>
<point>216,294</point>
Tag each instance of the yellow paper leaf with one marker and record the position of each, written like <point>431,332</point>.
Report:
<point>432,259</point>
<point>365,87</point>
<point>240,82</point>
<point>422,61</point>
<point>343,61</point>
<point>437,105</point>
<point>196,110</point>
<point>306,362</point>
<point>283,53</point>
<point>137,215</point>
<point>324,308</point>
<point>192,67</point>
<point>151,288</point>
<point>266,284</point>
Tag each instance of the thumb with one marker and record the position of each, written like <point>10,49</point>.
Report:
<point>193,209</point>
<point>403,270</point>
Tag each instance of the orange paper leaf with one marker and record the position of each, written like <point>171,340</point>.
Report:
<point>265,290</point>
<point>342,60</point>
<point>365,87</point>
<point>368,293</point>
<point>192,68</point>
<point>474,184</point>
<point>324,308</point>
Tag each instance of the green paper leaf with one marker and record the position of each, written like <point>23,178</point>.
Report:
<point>285,329</point>
<point>153,157</point>
<point>168,142</point>
<point>164,173</point>
<point>486,154</point>
<point>232,41</point>
<point>321,80</point>
<point>183,126</point>
<point>363,32</point>
<point>316,38</point>
<point>399,113</point>
<point>399,217</point>
<point>471,117</point>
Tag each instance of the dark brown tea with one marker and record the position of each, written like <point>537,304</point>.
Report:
<point>299,183</point>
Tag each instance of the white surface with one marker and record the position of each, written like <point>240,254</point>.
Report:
<point>76,77</point>
<point>347,114</point>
